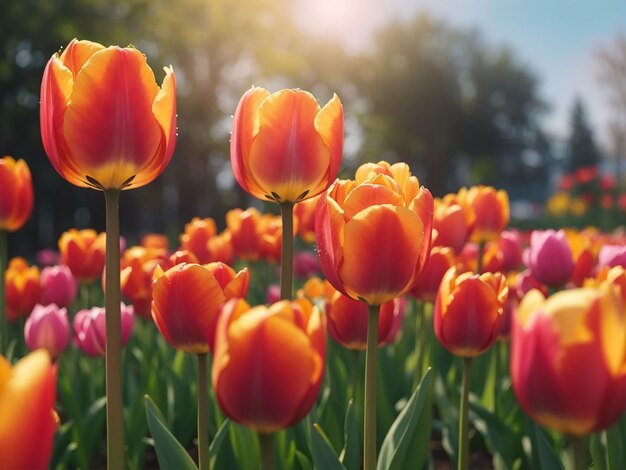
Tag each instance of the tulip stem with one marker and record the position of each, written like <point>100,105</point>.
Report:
<point>286,254</point>
<point>370,388</point>
<point>203,413</point>
<point>4,341</point>
<point>463,457</point>
<point>113,353</point>
<point>479,264</point>
<point>267,451</point>
<point>578,452</point>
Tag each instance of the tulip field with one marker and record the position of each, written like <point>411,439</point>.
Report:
<point>340,323</point>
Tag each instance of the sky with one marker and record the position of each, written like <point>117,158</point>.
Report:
<point>554,38</point>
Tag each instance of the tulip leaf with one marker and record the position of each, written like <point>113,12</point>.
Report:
<point>406,443</point>
<point>170,453</point>
<point>217,441</point>
<point>303,460</point>
<point>614,447</point>
<point>324,456</point>
<point>546,455</point>
<point>350,454</point>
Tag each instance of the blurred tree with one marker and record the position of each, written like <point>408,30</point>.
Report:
<point>582,150</point>
<point>452,106</point>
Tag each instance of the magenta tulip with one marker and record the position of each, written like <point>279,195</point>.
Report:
<point>47,327</point>
<point>549,257</point>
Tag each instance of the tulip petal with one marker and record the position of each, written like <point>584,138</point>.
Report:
<point>287,156</point>
<point>381,251</point>
<point>110,129</point>
<point>366,195</point>
<point>77,53</point>
<point>329,232</point>
<point>329,125</point>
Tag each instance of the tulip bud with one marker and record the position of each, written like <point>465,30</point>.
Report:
<point>58,286</point>
<point>16,194</point>
<point>90,330</point>
<point>22,288</point>
<point>47,327</point>
<point>612,255</point>
<point>549,257</point>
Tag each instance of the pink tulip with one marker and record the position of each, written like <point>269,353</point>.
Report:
<point>47,327</point>
<point>90,331</point>
<point>273,294</point>
<point>305,264</point>
<point>510,244</point>
<point>549,257</point>
<point>612,255</point>
<point>58,286</point>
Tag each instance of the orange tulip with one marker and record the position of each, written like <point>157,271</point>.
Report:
<point>138,265</point>
<point>246,233</point>
<point>22,288</point>
<point>454,221</point>
<point>469,311</point>
<point>83,252</point>
<point>568,358</point>
<point>441,259</point>
<point>105,123</point>
<point>269,362</point>
<point>16,194</point>
<point>304,214</point>
<point>186,301</point>
<point>374,233</point>
<point>28,424</point>
<point>492,211</point>
<point>155,240</point>
<point>347,321</point>
<point>196,236</point>
<point>284,148</point>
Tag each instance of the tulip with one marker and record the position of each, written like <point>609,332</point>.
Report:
<point>284,148</point>
<point>138,265</point>
<point>469,312</point>
<point>105,123</point>
<point>186,301</point>
<point>48,328</point>
<point>305,264</point>
<point>454,219</point>
<point>273,294</point>
<point>29,422</point>
<point>441,259</point>
<point>359,258</point>
<point>269,362</point>
<point>48,257</point>
<point>58,286</point>
<point>155,240</point>
<point>492,211</point>
<point>612,255</point>
<point>22,288</point>
<point>568,361</point>
<point>244,227</point>
<point>373,240</point>
<point>16,194</point>
<point>196,236</point>
<point>347,321</point>
<point>83,251</point>
<point>510,244</point>
<point>549,257</point>
<point>90,329</point>
<point>304,213</point>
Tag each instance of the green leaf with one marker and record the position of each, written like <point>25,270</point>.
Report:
<point>350,455</point>
<point>614,448</point>
<point>324,456</point>
<point>303,460</point>
<point>170,453</point>
<point>546,455</point>
<point>217,441</point>
<point>406,443</point>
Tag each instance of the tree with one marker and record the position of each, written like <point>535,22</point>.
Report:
<point>581,147</point>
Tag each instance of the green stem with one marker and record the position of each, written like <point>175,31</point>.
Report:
<point>4,340</point>
<point>578,452</point>
<point>84,294</point>
<point>370,388</point>
<point>203,413</point>
<point>267,451</point>
<point>497,350</point>
<point>286,254</point>
<point>115,415</point>
<point>481,250</point>
<point>420,341</point>
<point>464,417</point>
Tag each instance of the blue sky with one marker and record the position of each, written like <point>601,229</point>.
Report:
<point>555,38</point>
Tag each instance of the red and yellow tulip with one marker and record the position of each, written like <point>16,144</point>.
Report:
<point>284,147</point>
<point>22,288</point>
<point>269,362</point>
<point>16,194</point>
<point>83,251</point>
<point>186,301</point>
<point>491,208</point>
<point>374,233</point>
<point>568,358</point>
<point>105,123</point>
<point>28,424</point>
<point>469,311</point>
<point>196,237</point>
